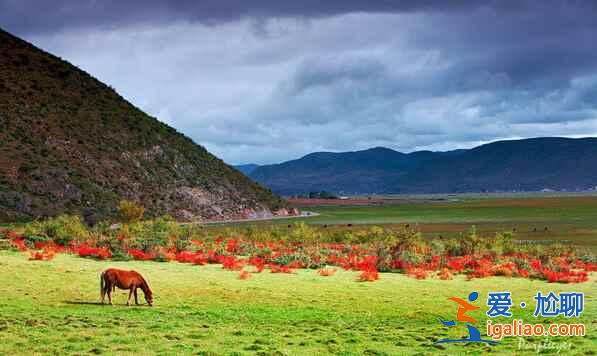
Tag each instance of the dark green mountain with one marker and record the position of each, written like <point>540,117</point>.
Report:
<point>69,143</point>
<point>518,165</point>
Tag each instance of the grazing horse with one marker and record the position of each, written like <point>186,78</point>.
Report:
<point>131,280</point>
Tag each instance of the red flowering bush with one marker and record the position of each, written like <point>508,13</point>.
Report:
<point>369,275</point>
<point>244,275</point>
<point>46,254</point>
<point>418,273</point>
<point>457,264</point>
<point>232,263</point>
<point>84,250</point>
<point>140,255</point>
<point>566,276</point>
<point>19,244</point>
<point>368,251</point>
<point>445,274</point>
<point>37,255</point>
<point>258,262</point>
<point>326,272</point>
<point>196,258</point>
<point>274,268</point>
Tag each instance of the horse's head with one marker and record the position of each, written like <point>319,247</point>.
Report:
<point>149,297</point>
<point>148,293</point>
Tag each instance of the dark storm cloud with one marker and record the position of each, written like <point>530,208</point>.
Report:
<point>34,16</point>
<point>26,16</point>
<point>264,81</point>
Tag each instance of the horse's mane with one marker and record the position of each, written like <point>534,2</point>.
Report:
<point>145,284</point>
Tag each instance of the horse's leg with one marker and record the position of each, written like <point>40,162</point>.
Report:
<point>128,302</point>
<point>136,299</point>
<point>102,287</point>
<point>109,291</point>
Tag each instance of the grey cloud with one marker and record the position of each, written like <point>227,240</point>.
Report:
<point>34,16</point>
<point>263,82</point>
<point>330,70</point>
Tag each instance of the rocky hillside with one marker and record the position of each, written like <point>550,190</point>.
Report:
<point>247,168</point>
<point>69,143</point>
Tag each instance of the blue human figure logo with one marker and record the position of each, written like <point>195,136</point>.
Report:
<point>474,335</point>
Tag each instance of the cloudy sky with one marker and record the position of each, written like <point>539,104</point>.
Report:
<point>266,81</point>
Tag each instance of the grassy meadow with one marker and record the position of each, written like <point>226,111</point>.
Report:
<point>51,307</point>
<point>567,218</point>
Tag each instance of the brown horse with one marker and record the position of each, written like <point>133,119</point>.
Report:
<point>131,280</point>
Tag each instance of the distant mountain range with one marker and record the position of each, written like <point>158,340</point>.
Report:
<point>517,165</point>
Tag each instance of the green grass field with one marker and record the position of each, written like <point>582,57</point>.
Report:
<point>51,307</point>
<point>544,211</point>
<point>569,218</point>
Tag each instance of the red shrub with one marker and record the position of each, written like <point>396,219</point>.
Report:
<point>565,276</point>
<point>274,268</point>
<point>326,272</point>
<point>200,259</point>
<point>589,267</point>
<point>561,262</point>
<point>19,243</point>
<point>401,265</point>
<point>505,269</point>
<point>369,275</point>
<point>12,235</point>
<point>456,264</point>
<point>232,246</point>
<point>185,257</point>
<point>214,257</point>
<point>244,275</point>
<point>258,262</point>
<point>36,255</point>
<point>84,250</point>
<point>367,263</point>
<point>197,243</point>
<point>46,254</point>
<point>295,264</point>
<point>416,261</point>
<point>434,264</point>
<point>141,256</point>
<point>418,273</point>
<point>368,266</point>
<point>445,274</point>
<point>231,263</point>
<point>536,265</point>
